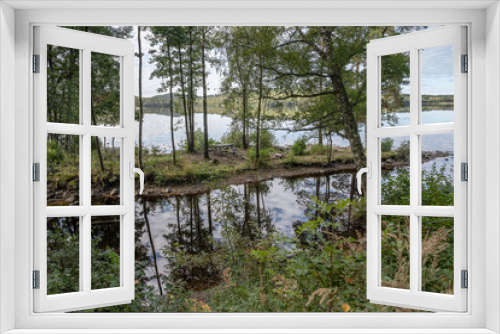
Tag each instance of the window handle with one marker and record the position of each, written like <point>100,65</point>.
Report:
<point>368,171</point>
<point>139,171</point>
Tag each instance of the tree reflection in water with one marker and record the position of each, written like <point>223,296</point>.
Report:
<point>189,223</point>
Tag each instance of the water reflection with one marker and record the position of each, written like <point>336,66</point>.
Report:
<point>187,223</point>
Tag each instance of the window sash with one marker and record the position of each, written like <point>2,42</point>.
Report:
<point>414,298</point>
<point>85,298</point>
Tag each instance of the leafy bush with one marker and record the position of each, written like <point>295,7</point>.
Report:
<point>199,141</point>
<point>233,136</point>
<point>317,149</point>
<point>299,146</point>
<point>264,156</point>
<point>267,139</point>
<point>403,151</point>
<point>386,144</point>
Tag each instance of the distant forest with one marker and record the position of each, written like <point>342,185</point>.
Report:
<point>160,104</point>
<point>218,104</point>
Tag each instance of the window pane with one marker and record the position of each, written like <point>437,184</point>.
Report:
<point>105,252</point>
<point>395,169</point>
<point>395,232</point>
<point>437,254</point>
<point>437,169</point>
<point>63,170</point>
<point>106,170</point>
<point>63,255</point>
<point>395,90</point>
<point>437,84</point>
<point>105,89</point>
<point>63,85</point>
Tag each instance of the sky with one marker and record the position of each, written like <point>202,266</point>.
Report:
<point>437,71</point>
<point>150,85</point>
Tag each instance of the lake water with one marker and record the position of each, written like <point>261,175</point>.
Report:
<point>156,129</point>
<point>279,204</point>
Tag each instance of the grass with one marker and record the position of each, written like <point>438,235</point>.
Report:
<point>192,168</point>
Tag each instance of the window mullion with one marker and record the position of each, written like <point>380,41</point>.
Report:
<point>86,160</point>
<point>414,170</point>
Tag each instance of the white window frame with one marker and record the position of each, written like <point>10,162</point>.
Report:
<point>484,102</point>
<point>86,44</point>
<point>414,43</point>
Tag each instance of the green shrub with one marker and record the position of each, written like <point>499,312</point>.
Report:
<point>267,139</point>
<point>386,144</point>
<point>233,136</point>
<point>299,146</point>
<point>317,149</point>
<point>199,141</point>
<point>264,156</point>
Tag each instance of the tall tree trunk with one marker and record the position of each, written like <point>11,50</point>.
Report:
<point>141,110</point>
<point>209,209</point>
<point>349,120</point>
<point>351,198</point>
<point>246,205</point>
<point>191,223</point>
<point>153,249</point>
<point>171,88</point>
<point>245,103</point>
<point>205,107</point>
<point>329,148</point>
<point>177,212</point>
<point>183,91</point>
<point>94,121</point>
<point>191,89</point>
<point>259,110</point>
<point>96,138</point>
<point>257,194</point>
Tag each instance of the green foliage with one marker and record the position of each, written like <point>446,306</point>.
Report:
<point>437,187</point>
<point>317,149</point>
<point>233,136</point>
<point>198,141</point>
<point>403,150</point>
<point>299,146</point>
<point>386,144</point>
<point>63,270</point>
<point>264,157</point>
<point>267,139</point>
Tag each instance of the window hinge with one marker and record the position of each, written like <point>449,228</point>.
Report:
<point>36,172</point>
<point>36,279</point>
<point>464,167</point>
<point>465,279</point>
<point>465,64</point>
<point>36,63</point>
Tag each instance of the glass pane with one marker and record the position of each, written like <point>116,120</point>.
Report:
<point>395,165</point>
<point>437,84</point>
<point>106,170</point>
<point>395,90</point>
<point>63,170</point>
<point>437,169</point>
<point>105,252</point>
<point>437,254</point>
<point>105,89</point>
<point>395,232</point>
<point>63,85</point>
<point>63,255</point>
